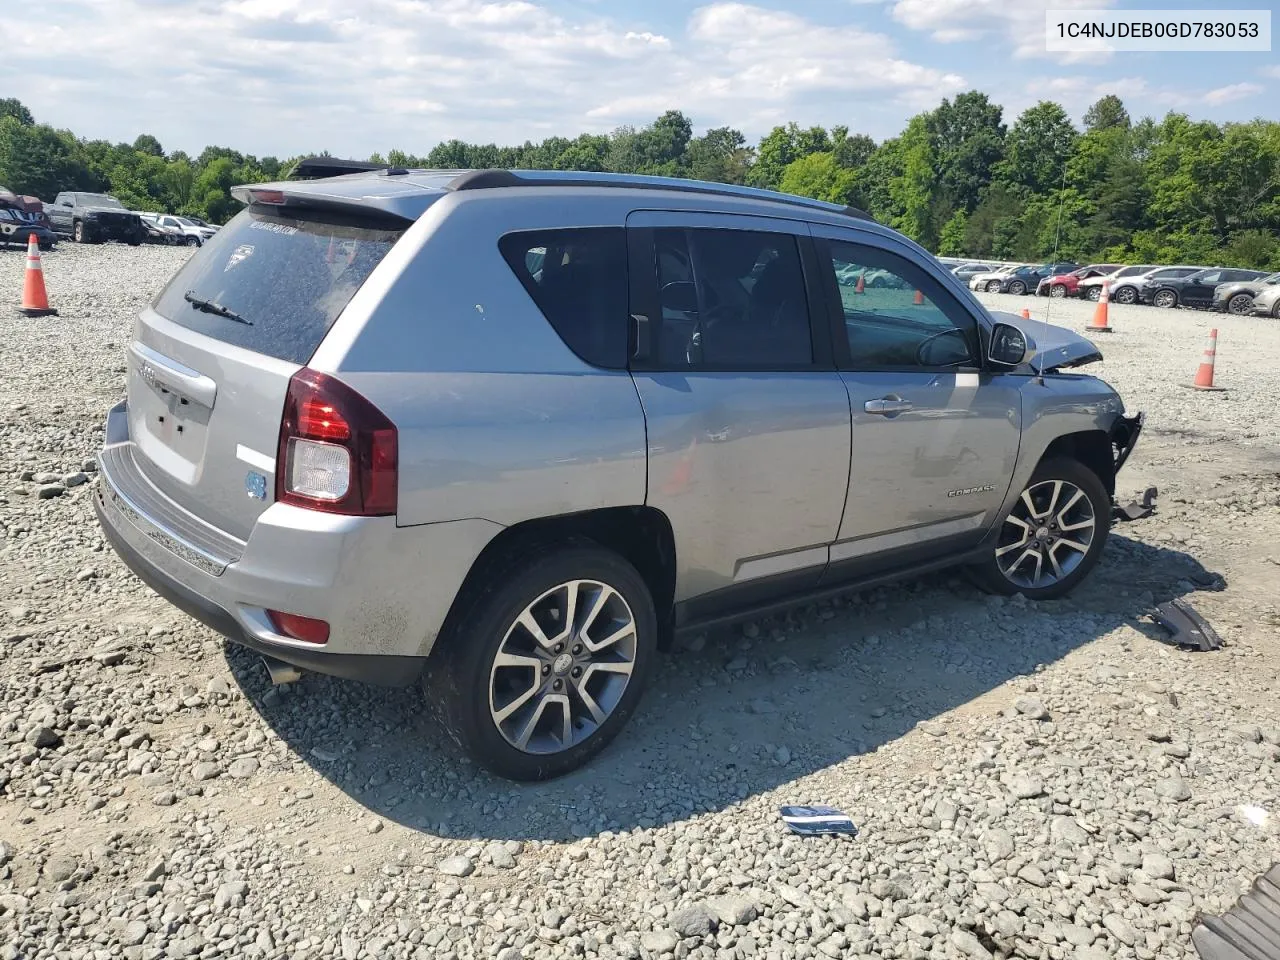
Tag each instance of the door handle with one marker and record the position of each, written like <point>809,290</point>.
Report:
<point>887,406</point>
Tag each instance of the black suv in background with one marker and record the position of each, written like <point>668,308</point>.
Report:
<point>1237,296</point>
<point>1195,289</point>
<point>1027,279</point>
<point>94,217</point>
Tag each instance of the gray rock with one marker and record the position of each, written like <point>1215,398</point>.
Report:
<point>205,770</point>
<point>230,894</point>
<point>921,925</point>
<point>1033,875</point>
<point>43,738</point>
<point>1025,787</point>
<point>734,910</point>
<point>660,941</point>
<point>1174,788</point>
<point>74,480</point>
<point>500,856</point>
<point>50,490</point>
<point>1146,894</point>
<point>243,768</point>
<point>889,890</point>
<point>797,898</point>
<point>1078,936</point>
<point>1157,866</point>
<point>58,868</point>
<point>1247,732</point>
<point>6,852</point>
<point>134,933</point>
<point>999,844</point>
<point>456,867</point>
<point>1120,928</point>
<point>1031,707</point>
<point>166,798</point>
<point>694,920</point>
<point>1068,830</point>
<point>968,944</point>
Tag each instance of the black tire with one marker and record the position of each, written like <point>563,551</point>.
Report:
<point>1241,304</point>
<point>993,286</point>
<point>78,232</point>
<point>1058,291</point>
<point>1164,299</point>
<point>457,680</point>
<point>1017,288</point>
<point>988,574</point>
<point>193,241</point>
<point>1125,295</point>
<point>1093,293</point>
<point>1275,310</point>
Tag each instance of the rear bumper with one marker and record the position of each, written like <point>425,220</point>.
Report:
<point>384,590</point>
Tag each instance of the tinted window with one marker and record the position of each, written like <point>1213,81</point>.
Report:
<point>1209,276</point>
<point>731,299</point>
<point>288,278</point>
<point>900,318</point>
<point>578,279</point>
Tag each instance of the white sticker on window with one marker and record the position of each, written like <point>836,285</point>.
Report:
<point>239,255</point>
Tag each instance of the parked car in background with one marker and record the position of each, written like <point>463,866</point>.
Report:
<point>20,217</point>
<point>1068,284</point>
<point>159,234</point>
<point>1237,296</point>
<point>194,234</point>
<point>368,488</point>
<point>1194,289</point>
<point>980,281</point>
<point>1130,289</point>
<point>1090,288</point>
<point>1267,302</point>
<point>94,217</point>
<point>966,271</point>
<point>200,223</point>
<point>1024,280</point>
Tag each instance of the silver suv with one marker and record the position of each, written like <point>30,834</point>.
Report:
<point>507,433</point>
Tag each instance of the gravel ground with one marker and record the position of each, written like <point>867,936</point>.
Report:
<point>1030,780</point>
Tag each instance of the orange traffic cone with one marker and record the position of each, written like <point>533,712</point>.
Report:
<point>1101,322</point>
<point>1204,374</point>
<point>860,286</point>
<point>919,298</point>
<point>35,302</point>
<point>1026,313</point>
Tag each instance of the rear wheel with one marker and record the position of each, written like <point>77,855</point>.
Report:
<point>78,232</point>
<point>1093,293</point>
<point>1017,288</point>
<point>1052,537</point>
<point>193,241</point>
<point>993,286</point>
<point>1165,299</point>
<point>546,661</point>
<point>1058,291</point>
<point>1240,304</point>
<point>1123,295</point>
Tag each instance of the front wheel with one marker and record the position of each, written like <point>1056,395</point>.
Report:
<point>193,241</point>
<point>1240,304</point>
<point>547,660</point>
<point>993,286</point>
<point>1165,299</point>
<point>78,232</point>
<point>1125,295</point>
<point>1093,293</point>
<point>1017,288</point>
<point>1058,291</point>
<point>1052,537</point>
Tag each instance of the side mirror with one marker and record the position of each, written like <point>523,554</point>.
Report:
<point>680,296</point>
<point>1009,346</point>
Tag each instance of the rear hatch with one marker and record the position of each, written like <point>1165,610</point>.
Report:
<point>212,357</point>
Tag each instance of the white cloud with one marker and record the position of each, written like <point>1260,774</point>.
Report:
<point>1232,91</point>
<point>1272,71</point>
<point>1016,24</point>
<point>292,76</point>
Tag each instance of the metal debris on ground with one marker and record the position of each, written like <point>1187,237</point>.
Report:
<point>1138,509</point>
<point>817,821</point>
<point>1248,931</point>
<point>1186,628</point>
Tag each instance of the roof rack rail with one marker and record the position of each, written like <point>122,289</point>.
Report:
<point>493,179</point>
<point>319,168</point>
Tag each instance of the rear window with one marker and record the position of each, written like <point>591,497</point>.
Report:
<point>286,277</point>
<point>578,279</point>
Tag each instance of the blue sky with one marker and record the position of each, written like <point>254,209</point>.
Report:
<point>286,77</point>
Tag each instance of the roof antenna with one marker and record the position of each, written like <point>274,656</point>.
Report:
<point>1057,240</point>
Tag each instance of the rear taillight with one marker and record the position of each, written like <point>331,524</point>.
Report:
<point>338,452</point>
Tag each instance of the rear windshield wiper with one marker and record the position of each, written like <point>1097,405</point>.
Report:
<point>212,306</point>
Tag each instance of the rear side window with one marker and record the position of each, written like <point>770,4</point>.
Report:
<point>284,278</point>
<point>578,279</point>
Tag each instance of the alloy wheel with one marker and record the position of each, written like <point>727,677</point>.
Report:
<point>1057,291</point>
<point>1125,295</point>
<point>1046,535</point>
<point>1165,299</point>
<point>562,667</point>
<point>1240,304</point>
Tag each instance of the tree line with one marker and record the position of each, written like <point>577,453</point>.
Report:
<point>957,179</point>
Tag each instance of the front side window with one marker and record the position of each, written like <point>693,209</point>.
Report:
<point>730,299</point>
<point>891,322</point>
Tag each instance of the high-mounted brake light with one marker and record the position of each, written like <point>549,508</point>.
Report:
<point>267,196</point>
<point>337,451</point>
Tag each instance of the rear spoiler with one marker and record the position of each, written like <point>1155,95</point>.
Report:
<point>319,168</point>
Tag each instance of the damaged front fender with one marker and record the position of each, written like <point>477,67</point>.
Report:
<point>1124,436</point>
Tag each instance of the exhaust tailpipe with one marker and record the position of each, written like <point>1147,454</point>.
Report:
<point>281,672</point>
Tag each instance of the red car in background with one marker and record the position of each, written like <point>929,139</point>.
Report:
<point>22,216</point>
<point>1068,284</point>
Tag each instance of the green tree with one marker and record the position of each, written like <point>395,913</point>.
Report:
<point>12,107</point>
<point>1037,148</point>
<point>1106,113</point>
<point>37,160</point>
<point>819,176</point>
<point>720,155</point>
<point>913,191</point>
<point>780,147</point>
<point>146,143</point>
<point>967,141</point>
<point>951,240</point>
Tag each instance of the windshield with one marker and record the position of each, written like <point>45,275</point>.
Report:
<point>100,200</point>
<point>287,277</point>
<point>184,221</point>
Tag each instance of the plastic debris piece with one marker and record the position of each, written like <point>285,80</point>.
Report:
<point>1186,628</point>
<point>1139,509</point>
<point>1248,931</point>
<point>817,821</point>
